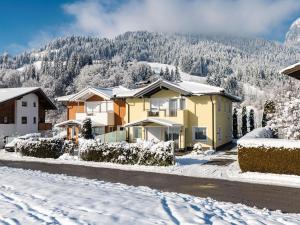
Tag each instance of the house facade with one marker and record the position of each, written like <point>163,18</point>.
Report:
<point>98,104</point>
<point>22,111</point>
<point>186,112</point>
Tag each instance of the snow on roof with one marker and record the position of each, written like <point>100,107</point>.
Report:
<point>159,121</point>
<point>11,93</point>
<point>103,92</point>
<point>68,123</point>
<point>184,87</point>
<point>65,98</point>
<point>290,69</point>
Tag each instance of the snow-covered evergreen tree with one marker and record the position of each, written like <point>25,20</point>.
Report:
<point>251,119</point>
<point>244,121</point>
<point>86,130</point>
<point>234,124</point>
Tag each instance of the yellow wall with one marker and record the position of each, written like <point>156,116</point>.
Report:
<point>198,113</point>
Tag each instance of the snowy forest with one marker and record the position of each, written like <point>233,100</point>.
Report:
<point>246,67</point>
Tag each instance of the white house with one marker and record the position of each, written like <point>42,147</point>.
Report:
<point>22,111</point>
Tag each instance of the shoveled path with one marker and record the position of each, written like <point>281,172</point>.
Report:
<point>263,196</point>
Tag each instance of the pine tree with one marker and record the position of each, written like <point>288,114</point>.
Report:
<point>251,119</point>
<point>269,109</point>
<point>86,130</point>
<point>234,124</point>
<point>161,73</point>
<point>177,74</point>
<point>166,74</point>
<point>244,121</point>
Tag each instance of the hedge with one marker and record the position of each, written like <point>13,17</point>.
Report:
<point>154,154</point>
<point>43,148</point>
<point>269,160</point>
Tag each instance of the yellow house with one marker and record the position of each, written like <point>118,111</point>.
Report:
<point>186,112</point>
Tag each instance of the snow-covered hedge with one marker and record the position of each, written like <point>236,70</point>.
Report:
<point>259,152</point>
<point>42,148</point>
<point>142,153</point>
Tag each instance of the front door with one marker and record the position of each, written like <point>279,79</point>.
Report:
<point>154,133</point>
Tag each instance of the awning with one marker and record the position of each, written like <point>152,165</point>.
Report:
<point>68,123</point>
<point>159,121</point>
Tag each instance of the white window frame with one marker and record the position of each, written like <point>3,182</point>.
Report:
<point>134,132</point>
<point>194,134</point>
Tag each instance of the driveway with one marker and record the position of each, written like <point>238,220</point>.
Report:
<point>261,196</point>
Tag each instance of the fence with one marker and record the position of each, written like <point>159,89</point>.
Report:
<point>116,136</point>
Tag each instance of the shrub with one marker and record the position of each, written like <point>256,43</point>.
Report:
<point>69,147</point>
<point>197,148</point>
<point>42,148</point>
<point>160,154</point>
<point>269,160</point>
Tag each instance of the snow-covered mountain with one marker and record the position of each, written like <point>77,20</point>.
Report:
<point>293,35</point>
<point>66,65</point>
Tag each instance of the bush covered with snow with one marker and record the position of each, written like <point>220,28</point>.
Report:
<point>69,147</point>
<point>142,153</point>
<point>197,148</point>
<point>42,148</point>
<point>259,152</point>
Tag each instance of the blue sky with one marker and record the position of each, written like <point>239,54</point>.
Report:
<point>29,24</point>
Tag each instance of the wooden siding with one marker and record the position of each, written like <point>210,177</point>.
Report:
<point>95,98</point>
<point>73,108</point>
<point>7,110</point>
<point>120,111</point>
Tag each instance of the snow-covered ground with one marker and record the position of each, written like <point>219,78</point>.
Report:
<point>188,165</point>
<point>32,197</point>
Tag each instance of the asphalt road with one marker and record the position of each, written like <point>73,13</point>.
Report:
<point>262,196</point>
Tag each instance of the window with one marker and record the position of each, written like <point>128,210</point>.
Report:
<point>199,134</point>
<point>34,104</point>
<point>24,120</point>
<point>5,119</point>
<point>92,107</point>
<point>24,104</point>
<point>158,104</point>
<point>34,120</point>
<point>182,103</point>
<point>137,132</point>
<point>219,134</point>
<point>110,106</point>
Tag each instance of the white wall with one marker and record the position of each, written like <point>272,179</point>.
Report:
<point>18,128</point>
<point>30,112</point>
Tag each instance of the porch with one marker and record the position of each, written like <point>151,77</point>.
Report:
<point>158,130</point>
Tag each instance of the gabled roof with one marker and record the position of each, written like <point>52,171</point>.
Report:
<point>292,71</point>
<point>8,94</point>
<point>106,93</point>
<point>186,88</point>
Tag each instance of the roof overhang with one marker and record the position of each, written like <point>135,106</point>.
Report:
<point>43,98</point>
<point>68,123</point>
<point>87,93</point>
<point>292,71</point>
<point>158,85</point>
<point>146,121</point>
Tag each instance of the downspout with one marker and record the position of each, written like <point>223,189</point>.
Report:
<point>128,119</point>
<point>213,121</point>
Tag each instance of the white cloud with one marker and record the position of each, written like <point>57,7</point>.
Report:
<point>242,17</point>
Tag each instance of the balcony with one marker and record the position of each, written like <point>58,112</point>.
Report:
<point>45,126</point>
<point>99,118</point>
<point>179,116</point>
